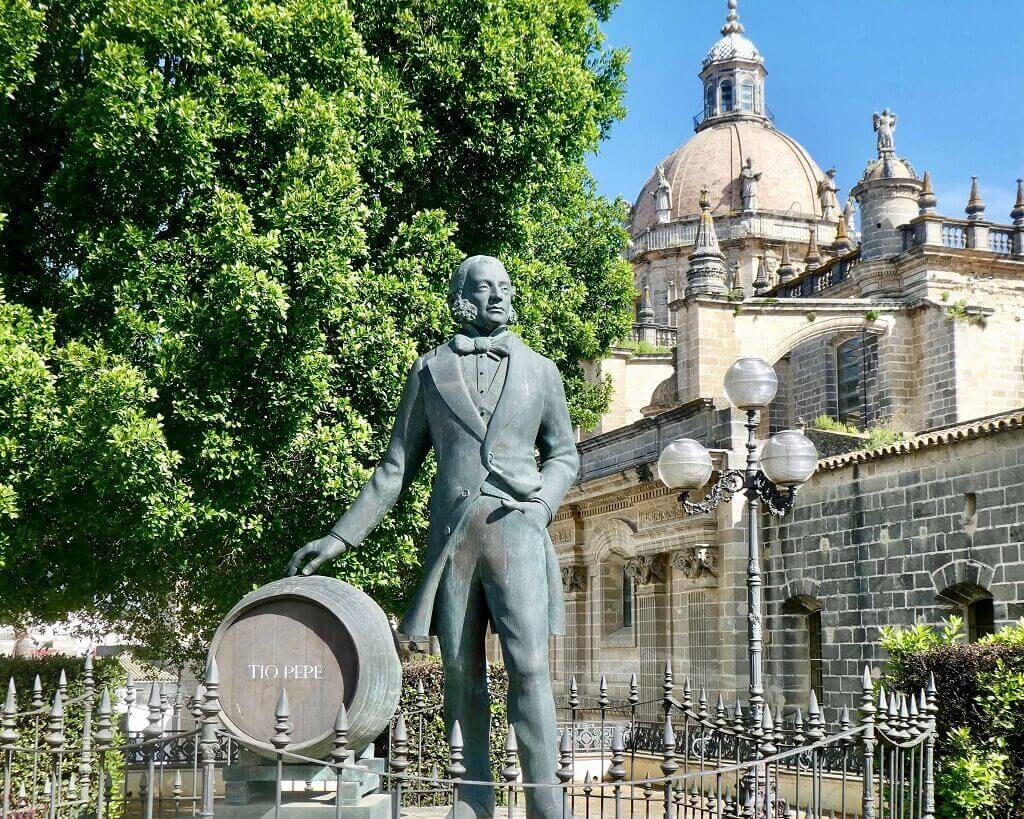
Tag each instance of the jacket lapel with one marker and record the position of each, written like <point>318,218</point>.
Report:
<point>515,394</point>
<point>447,375</point>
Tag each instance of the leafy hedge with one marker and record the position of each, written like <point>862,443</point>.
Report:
<point>107,672</point>
<point>430,726</point>
<point>980,720</point>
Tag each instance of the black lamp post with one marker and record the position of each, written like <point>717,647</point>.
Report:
<point>786,461</point>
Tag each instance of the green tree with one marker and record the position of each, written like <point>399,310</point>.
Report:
<point>229,229</point>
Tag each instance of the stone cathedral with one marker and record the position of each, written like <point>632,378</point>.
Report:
<point>877,313</point>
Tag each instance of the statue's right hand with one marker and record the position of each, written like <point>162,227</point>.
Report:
<point>316,552</point>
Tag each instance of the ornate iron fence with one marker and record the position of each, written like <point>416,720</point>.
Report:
<point>726,761</point>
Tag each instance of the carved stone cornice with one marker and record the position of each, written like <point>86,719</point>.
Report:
<point>696,562</point>
<point>574,578</point>
<point>647,569</point>
<point>624,499</point>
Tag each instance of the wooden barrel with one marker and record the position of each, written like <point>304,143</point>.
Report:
<point>321,640</point>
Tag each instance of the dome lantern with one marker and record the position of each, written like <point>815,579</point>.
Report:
<point>733,73</point>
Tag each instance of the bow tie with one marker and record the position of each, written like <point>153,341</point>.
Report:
<point>494,346</point>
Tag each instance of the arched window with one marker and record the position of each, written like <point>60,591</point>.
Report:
<point>746,96</point>
<point>976,607</point>
<point>726,96</point>
<point>709,100</point>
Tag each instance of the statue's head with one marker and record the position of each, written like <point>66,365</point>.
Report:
<point>481,294</point>
<point>750,162</point>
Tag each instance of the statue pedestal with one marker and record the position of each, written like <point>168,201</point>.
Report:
<point>309,791</point>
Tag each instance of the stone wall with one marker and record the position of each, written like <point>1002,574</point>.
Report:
<point>883,543</point>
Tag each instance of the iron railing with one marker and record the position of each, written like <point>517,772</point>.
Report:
<point>725,761</point>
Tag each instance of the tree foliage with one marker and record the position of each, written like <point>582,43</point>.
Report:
<point>229,230</point>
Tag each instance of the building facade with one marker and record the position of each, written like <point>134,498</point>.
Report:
<point>910,325</point>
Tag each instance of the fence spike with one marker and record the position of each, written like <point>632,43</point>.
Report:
<point>339,747</point>
<point>176,788</point>
<point>768,746</point>
<point>602,696</point>
<point>129,692</point>
<point>456,770</point>
<point>634,690</point>
<point>282,726</point>
<point>55,736</point>
<point>510,763</point>
<point>702,704</point>
<point>564,772</point>
<point>399,745</point>
<point>9,723</point>
<point>617,770</point>
<point>687,695</point>
<point>574,694</point>
<point>155,719</point>
<point>37,694</point>
<point>62,684</point>
<point>104,736</point>
<point>667,687</point>
<point>720,711</point>
<point>798,726</point>
<point>668,748</point>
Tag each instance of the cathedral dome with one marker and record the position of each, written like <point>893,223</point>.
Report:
<point>713,158</point>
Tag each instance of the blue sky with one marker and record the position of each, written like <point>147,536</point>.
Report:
<point>952,71</point>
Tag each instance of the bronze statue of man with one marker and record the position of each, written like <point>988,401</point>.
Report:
<point>487,404</point>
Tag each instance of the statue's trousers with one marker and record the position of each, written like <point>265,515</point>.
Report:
<point>497,572</point>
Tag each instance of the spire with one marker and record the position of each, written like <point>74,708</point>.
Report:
<point>813,258</point>
<point>975,207</point>
<point>785,271</point>
<point>842,244</point>
<point>1017,214</point>
<point>707,273</point>
<point>926,200</point>
<point>761,283</point>
<point>732,21</point>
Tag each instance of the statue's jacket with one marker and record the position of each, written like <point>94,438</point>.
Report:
<point>473,458</point>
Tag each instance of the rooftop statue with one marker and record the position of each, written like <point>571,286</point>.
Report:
<point>885,126</point>
<point>827,194</point>
<point>748,185</point>
<point>485,402</point>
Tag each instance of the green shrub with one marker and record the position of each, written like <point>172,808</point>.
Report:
<point>643,347</point>
<point>980,719</point>
<point>876,436</point>
<point>428,744</point>
<point>970,782</point>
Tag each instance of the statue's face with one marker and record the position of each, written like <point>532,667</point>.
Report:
<point>489,289</point>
